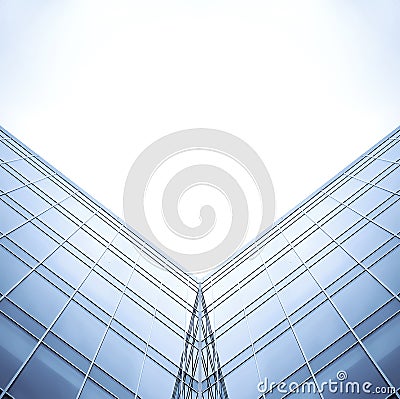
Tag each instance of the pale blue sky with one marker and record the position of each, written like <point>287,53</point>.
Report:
<point>309,84</point>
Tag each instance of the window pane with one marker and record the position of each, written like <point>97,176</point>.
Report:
<point>121,359</point>
<point>390,218</point>
<point>265,317</point>
<point>39,298</point>
<point>34,241</point>
<point>358,368</point>
<point>388,270</point>
<point>134,317</point>
<point>242,382</point>
<point>284,266</point>
<point>9,218</point>
<point>59,222</point>
<point>15,346</point>
<point>347,189</point>
<point>80,329</point>
<point>94,391</point>
<point>87,244</point>
<point>115,266</point>
<point>369,200</point>
<point>30,200</point>
<point>166,341</point>
<point>233,341</point>
<point>384,346</point>
<point>47,376</point>
<point>11,270</point>
<point>391,182</point>
<point>27,170</point>
<point>101,292</point>
<point>364,294</point>
<point>67,266</point>
<point>312,244</point>
<point>365,241</point>
<point>153,372</point>
<point>298,292</point>
<point>279,358</point>
<point>332,266</point>
<point>341,222</point>
<point>317,330</point>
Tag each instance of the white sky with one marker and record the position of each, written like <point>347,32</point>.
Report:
<point>309,84</point>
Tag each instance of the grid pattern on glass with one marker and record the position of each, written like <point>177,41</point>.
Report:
<point>102,313</point>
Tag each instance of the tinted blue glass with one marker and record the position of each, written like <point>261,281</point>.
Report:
<point>67,266</point>
<point>298,292</point>
<point>47,376</point>
<point>233,341</point>
<point>39,298</point>
<point>391,182</point>
<point>171,308</point>
<point>30,200</point>
<point>120,391</point>
<point>297,228</point>
<point>59,222</point>
<point>87,244</point>
<point>272,362</point>
<point>358,368</point>
<point>242,382</point>
<point>365,295</point>
<point>34,241</point>
<point>231,306</point>
<point>101,292</point>
<point>317,330</point>
<point>22,318</point>
<point>77,209</point>
<point>67,351</point>
<point>15,345</point>
<point>93,391</point>
<point>341,222</point>
<point>80,329</point>
<point>143,287</point>
<point>393,153</point>
<point>369,200</point>
<point>100,226</point>
<point>388,270</point>
<point>11,270</point>
<point>26,169</point>
<point>166,341</point>
<point>6,153</point>
<point>390,218</point>
<point>365,241</point>
<point>8,181</point>
<point>52,189</point>
<point>284,266</point>
<point>373,169</point>
<point>323,208</point>
<point>312,244</point>
<point>257,286</point>
<point>115,266</point>
<point>134,317</point>
<point>347,189</point>
<point>332,266</point>
<point>155,381</point>
<point>384,346</point>
<point>121,359</point>
<point>9,218</point>
<point>265,317</point>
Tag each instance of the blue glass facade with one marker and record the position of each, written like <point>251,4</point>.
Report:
<point>89,309</point>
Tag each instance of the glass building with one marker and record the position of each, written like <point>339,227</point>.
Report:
<point>89,309</point>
